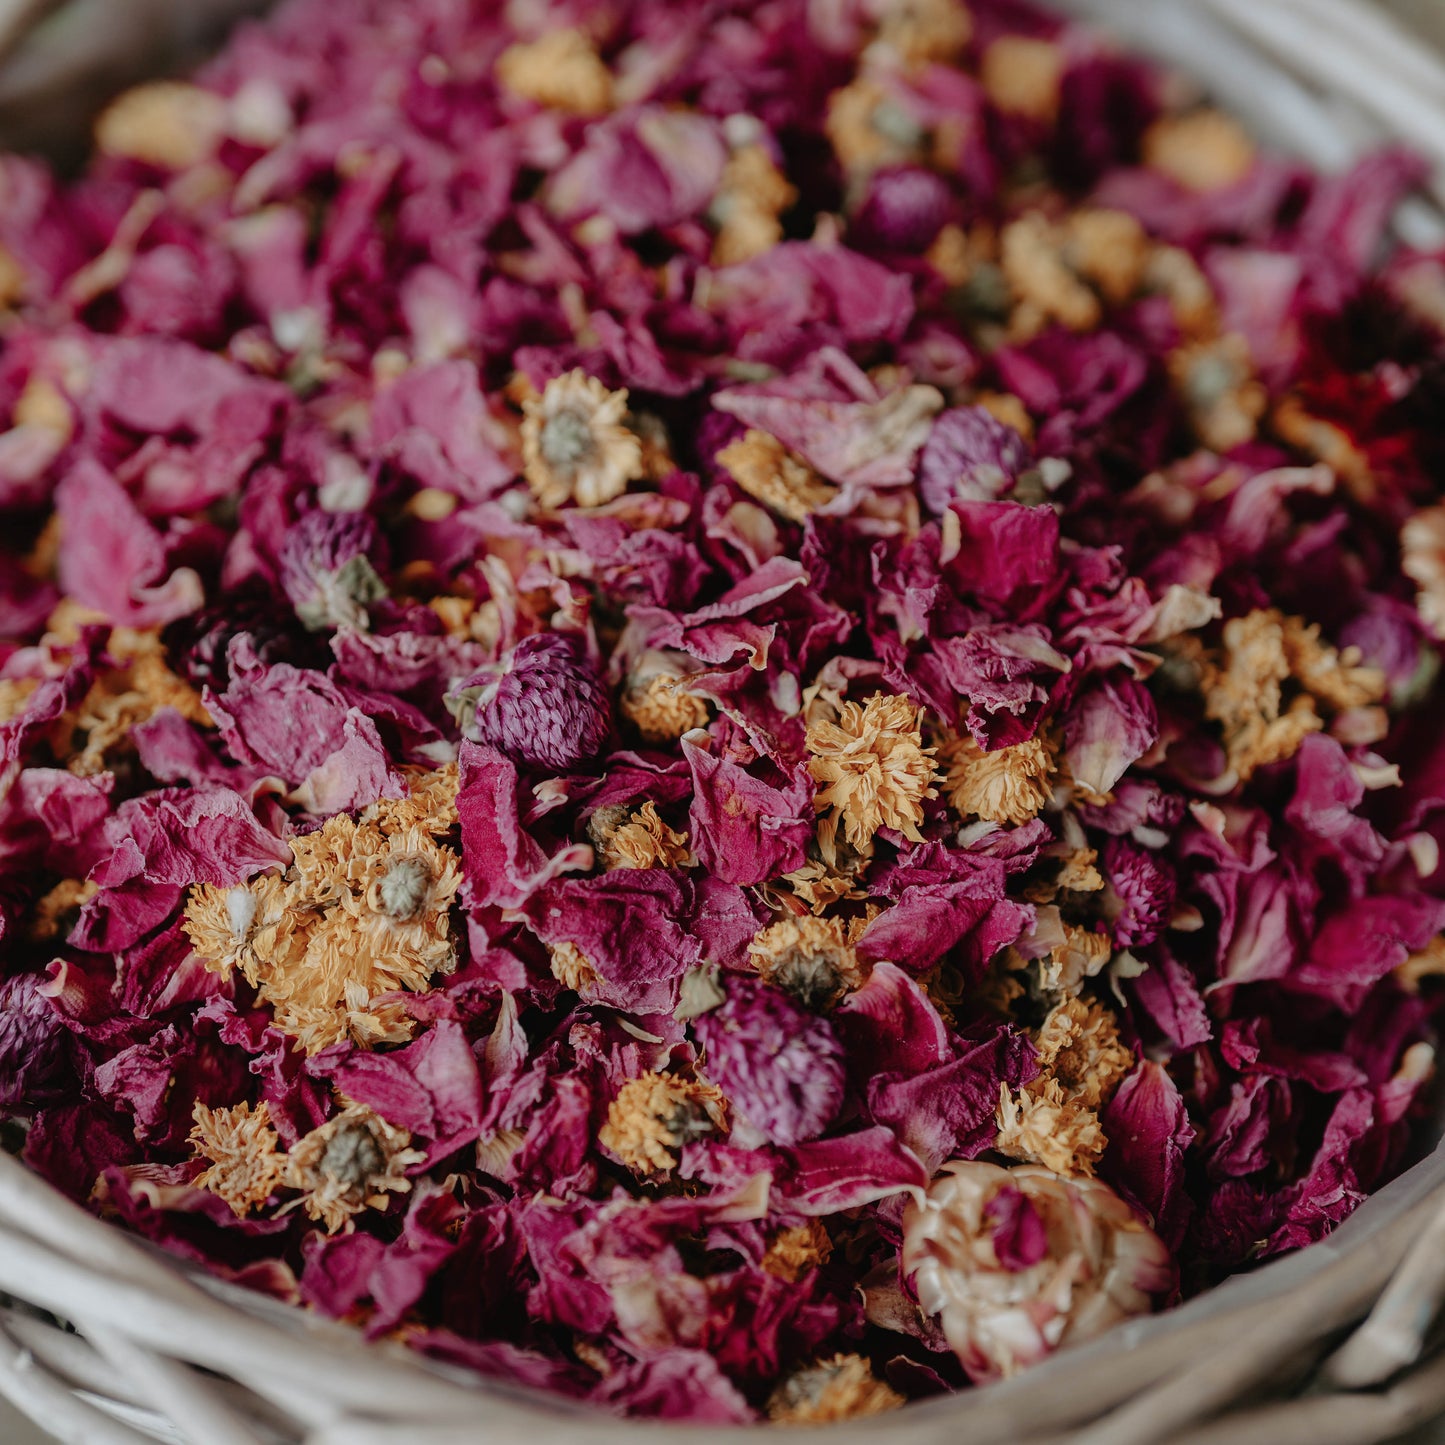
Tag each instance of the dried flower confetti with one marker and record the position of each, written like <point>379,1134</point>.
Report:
<point>669,672</point>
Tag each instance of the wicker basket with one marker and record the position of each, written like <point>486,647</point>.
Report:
<point>1334,1344</point>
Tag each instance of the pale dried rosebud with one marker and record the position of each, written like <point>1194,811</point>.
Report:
<point>352,1162</point>
<point>1008,785</point>
<point>168,124</point>
<point>842,1388</point>
<point>560,70</point>
<point>1203,151</point>
<point>655,1115</point>
<point>246,1168</point>
<point>810,958</point>
<point>1022,76</point>
<point>1100,1265</point>
<point>872,772</point>
<point>765,469</point>
<point>575,446</point>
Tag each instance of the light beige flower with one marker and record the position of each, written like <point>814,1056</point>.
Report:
<point>643,840</point>
<point>751,196</point>
<point>575,445</point>
<point>1422,559</point>
<point>1215,380</point>
<point>165,123</point>
<point>1427,962</point>
<point>811,958</point>
<point>1078,1045</point>
<point>1245,686</point>
<point>919,31</point>
<point>764,468</point>
<point>246,1167</point>
<point>1109,249</point>
<point>571,967</point>
<point>1102,1265</point>
<point>55,912</point>
<point>792,1252</point>
<point>872,771</point>
<point>1045,286</point>
<point>1041,1124</point>
<point>657,702</point>
<point>841,1388</point>
<point>1205,150</point>
<point>653,1116</point>
<point>1008,785</point>
<point>1022,76</point>
<point>246,927</point>
<point>1082,954</point>
<point>352,1162</point>
<point>560,70</point>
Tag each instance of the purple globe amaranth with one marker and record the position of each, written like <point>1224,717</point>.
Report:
<point>780,1066</point>
<point>904,210</point>
<point>1144,885</point>
<point>328,568</point>
<point>546,707</point>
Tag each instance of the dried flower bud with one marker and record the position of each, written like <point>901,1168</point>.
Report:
<point>327,571</point>
<point>655,1115</point>
<point>1008,785</point>
<point>351,1163</point>
<point>546,709</point>
<point>245,1167</point>
<point>843,1388</point>
<point>575,446</point>
<point>656,701</point>
<point>872,771</point>
<point>1100,1265</point>
<point>810,958</point>
<point>781,1067</point>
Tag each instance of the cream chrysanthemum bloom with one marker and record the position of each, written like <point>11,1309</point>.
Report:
<point>246,1168</point>
<point>653,1116</point>
<point>841,1388</point>
<point>352,1162</point>
<point>560,70</point>
<point>1099,1264</point>
<point>1422,560</point>
<point>811,958</point>
<point>1008,785</point>
<point>575,445</point>
<point>643,840</point>
<point>656,700</point>
<point>768,472</point>
<point>872,771</point>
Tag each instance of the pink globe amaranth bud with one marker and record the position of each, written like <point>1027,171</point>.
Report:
<point>1100,1264</point>
<point>328,568</point>
<point>904,210</point>
<point>780,1066</point>
<point>546,707</point>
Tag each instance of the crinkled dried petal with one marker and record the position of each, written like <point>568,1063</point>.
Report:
<point>560,70</point>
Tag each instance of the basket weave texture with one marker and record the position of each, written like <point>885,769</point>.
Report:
<point>1337,1345</point>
